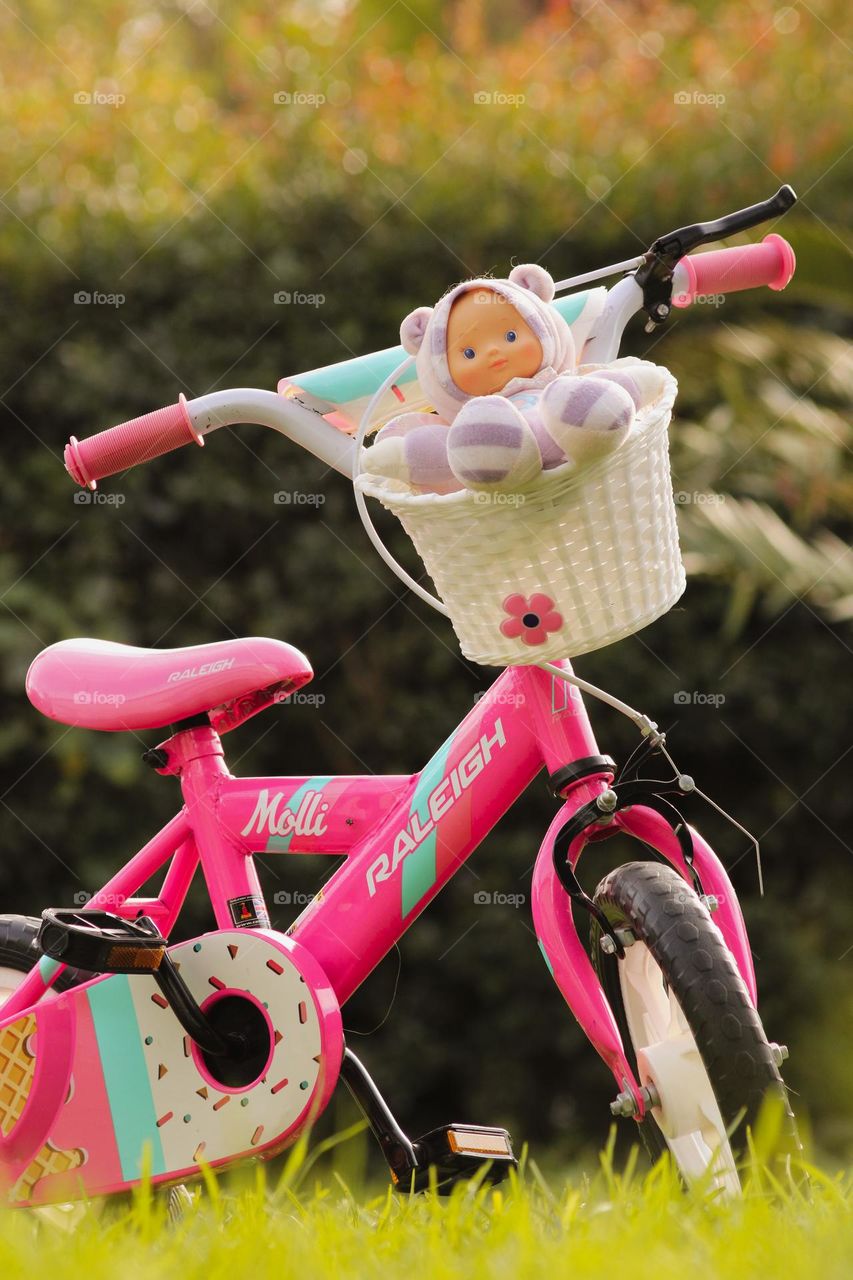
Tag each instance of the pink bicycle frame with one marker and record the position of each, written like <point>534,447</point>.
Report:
<point>403,837</point>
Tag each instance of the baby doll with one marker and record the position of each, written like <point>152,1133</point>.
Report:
<point>498,363</point>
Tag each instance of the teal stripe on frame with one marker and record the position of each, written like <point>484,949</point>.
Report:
<point>281,844</point>
<point>419,866</point>
<point>545,957</point>
<point>125,1075</point>
<point>47,968</point>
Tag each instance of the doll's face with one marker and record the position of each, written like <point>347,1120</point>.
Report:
<point>489,343</point>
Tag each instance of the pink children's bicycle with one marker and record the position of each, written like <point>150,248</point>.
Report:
<point>122,1053</point>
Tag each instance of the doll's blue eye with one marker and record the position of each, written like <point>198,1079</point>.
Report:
<point>511,335</point>
<point>469,353</point>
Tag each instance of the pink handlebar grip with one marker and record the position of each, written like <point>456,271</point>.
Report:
<point>726,270</point>
<point>138,440</point>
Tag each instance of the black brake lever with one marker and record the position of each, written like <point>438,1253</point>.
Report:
<point>654,275</point>
<point>672,247</point>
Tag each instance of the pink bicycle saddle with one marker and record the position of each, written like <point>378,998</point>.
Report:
<point>99,684</point>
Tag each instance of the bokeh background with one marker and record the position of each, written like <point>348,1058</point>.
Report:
<point>168,170</point>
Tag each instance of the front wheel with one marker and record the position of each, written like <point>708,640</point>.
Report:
<point>685,1014</point>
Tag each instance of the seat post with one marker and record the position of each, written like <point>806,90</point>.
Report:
<point>197,757</point>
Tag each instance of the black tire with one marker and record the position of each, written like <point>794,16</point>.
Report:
<point>664,913</point>
<point>18,950</point>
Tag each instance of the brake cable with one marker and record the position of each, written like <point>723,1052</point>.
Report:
<point>627,789</point>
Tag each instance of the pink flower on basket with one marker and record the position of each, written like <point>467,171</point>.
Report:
<point>530,618</point>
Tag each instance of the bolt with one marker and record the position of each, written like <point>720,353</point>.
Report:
<point>607,801</point>
<point>625,1104</point>
<point>685,782</point>
<point>661,311</point>
<point>610,944</point>
<point>780,1053</point>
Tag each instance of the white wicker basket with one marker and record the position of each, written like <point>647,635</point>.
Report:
<point>600,543</point>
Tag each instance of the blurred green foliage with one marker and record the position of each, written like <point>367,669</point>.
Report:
<point>385,177</point>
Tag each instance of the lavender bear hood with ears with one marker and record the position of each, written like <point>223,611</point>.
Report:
<point>530,289</point>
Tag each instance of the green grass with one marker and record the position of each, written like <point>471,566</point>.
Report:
<point>583,1226</point>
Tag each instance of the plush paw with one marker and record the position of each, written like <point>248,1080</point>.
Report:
<point>643,382</point>
<point>491,446</point>
<point>413,450</point>
<point>587,416</point>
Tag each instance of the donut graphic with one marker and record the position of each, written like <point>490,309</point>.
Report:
<point>180,1106</point>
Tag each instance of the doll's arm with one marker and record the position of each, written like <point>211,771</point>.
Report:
<point>413,450</point>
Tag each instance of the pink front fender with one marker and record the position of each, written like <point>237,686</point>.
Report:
<point>565,954</point>
<point>567,957</point>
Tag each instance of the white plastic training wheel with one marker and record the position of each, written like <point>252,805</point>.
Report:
<point>686,1016</point>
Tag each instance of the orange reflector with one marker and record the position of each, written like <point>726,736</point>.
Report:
<point>468,1142</point>
<point>135,957</point>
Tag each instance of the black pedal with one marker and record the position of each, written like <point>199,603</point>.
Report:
<point>100,942</point>
<point>458,1152</point>
<point>455,1151</point>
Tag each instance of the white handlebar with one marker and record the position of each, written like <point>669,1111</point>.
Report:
<point>269,409</point>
